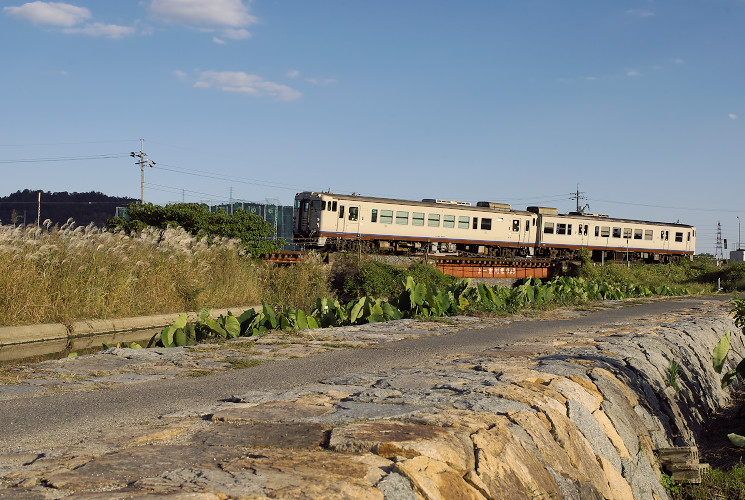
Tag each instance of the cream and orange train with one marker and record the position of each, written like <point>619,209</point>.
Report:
<point>336,222</point>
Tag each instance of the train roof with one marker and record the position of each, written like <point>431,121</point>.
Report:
<point>600,219</point>
<point>499,208</point>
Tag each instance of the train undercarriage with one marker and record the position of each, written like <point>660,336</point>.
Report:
<point>449,248</point>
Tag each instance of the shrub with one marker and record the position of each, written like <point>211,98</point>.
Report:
<point>247,227</point>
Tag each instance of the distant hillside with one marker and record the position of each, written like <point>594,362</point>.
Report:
<point>84,208</point>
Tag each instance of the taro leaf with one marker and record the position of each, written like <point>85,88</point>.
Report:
<point>152,343</point>
<point>417,294</point>
<point>204,313</point>
<point>736,439</point>
<point>728,377</point>
<point>301,320</point>
<point>232,326</point>
<point>409,283</point>
<point>312,323</point>
<point>270,316</point>
<point>719,355</point>
<point>390,312</point>
<point>260,329</point>
<point>375,318</point>
<point>166,336</point>
<point>179,337</point>
<point>486,293</point>
<point>246,321</point>
<point>283,321</point>
<point>180,321</point>
<point>135,345</point>
<point>191,334</point>
<point>356,310</point>
<point>215,327</point>
<point>105,345</point>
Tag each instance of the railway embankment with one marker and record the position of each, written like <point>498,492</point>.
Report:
<point>581,415</point>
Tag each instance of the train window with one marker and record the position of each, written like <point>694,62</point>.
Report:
<point>561,228</point>
<point>386,216</point>
<point>315,205</point>
<point>341,211</point>
<point>648,234</point>
<point>485,223</point>
<point>433,220</point>
<point>297,203</point>
<point>569,229</point>
<point>447,221</point>
<point>616,232</point>
<point>323,204</point>
<point>587,229</point>
<point>475,222</point>
<point>354,213</point>
<point>334,209</point>
<point>463,222</point>
<point>664,235</point>
<point>516,225</point>
<point>597,231</point>
<point>637,234</point>
<point>402,218</point>
<point>627,233</point>
<point>417,219</point>
<point>689,236</point>
<point>527,225</point>
<point>679,237</point>
<point>374,215</point>
<point>548,228</point>
<point>328,206</point>
<point>604,231</point>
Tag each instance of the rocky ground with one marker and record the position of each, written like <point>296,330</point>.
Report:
<point>577,417</point>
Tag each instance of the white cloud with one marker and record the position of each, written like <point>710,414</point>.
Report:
<point>50,13</point>
<point>632,73</point>
<point>732,116</point>
<point>229,13</point>
<point>321,81</point>
<point>678,60</point>
<point>101,29</point>
<point>179,74</point>
<point>639,13</point>
<point>293,73</point>
<point>69,18</point>
<point>218,40</point>
<point>236,34</point>
<point>591,78</point>
<point>238,81</point>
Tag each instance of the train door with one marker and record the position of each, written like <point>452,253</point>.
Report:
<point>526,238</point>
<point>349,219</point>
<point>302,210</point>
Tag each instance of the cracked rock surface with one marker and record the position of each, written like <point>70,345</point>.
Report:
<point>577,417</point>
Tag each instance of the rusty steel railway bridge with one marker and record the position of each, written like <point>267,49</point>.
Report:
<point>462,266</point>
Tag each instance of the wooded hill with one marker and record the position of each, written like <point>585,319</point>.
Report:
<point>83,208</point>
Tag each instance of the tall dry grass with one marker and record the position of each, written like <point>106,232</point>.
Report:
<point>64,274</point>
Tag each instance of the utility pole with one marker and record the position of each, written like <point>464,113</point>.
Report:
<point>143,162</point>
<point>579,195</point>
<point>38,211</point>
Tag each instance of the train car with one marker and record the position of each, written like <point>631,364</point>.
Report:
<point>333,221</point>
<point>612,239</point>
<point>338,222</point>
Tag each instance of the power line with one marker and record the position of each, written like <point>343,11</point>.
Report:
<point>66,158</point>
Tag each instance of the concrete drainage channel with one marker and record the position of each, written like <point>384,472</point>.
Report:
<point>18,342</point>
<point>586,415</point>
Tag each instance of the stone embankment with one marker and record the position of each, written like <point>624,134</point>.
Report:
<point>577,417</point>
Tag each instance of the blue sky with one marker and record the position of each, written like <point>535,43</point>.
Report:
<point>640,103</point>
